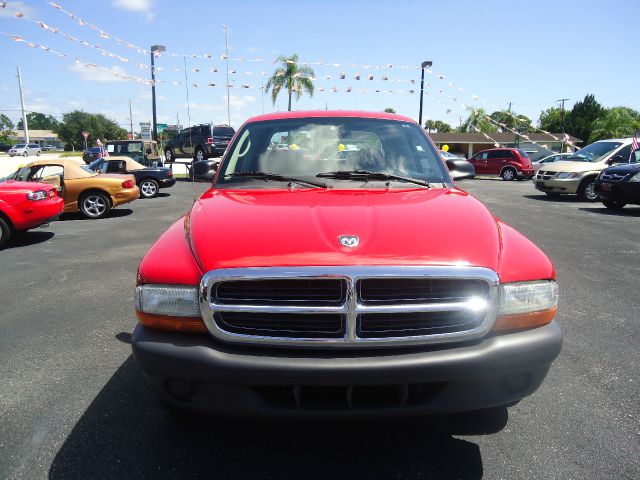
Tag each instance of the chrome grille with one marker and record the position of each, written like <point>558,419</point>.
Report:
<point>349,306</point>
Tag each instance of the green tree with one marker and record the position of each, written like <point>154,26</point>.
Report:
<point>389,110</point>
<point>292,77</point>
<point>438,126</point>
<point>582,116</point>
<point>616,122</point>
<point>39,121</point>
<point>512,121</point>
<point>6,128</point>
<point>74,123</point>
<point>551,120</point>
<point>477,118</point>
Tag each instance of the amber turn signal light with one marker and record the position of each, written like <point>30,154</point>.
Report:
<point>174,324</point>
<point>521,321</point>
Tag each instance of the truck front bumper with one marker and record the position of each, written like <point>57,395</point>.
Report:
<point>196,372</point>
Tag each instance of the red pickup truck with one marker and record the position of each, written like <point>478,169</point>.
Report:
<point>333,269</point>
<point>26,205</point>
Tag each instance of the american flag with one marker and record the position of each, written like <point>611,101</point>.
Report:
<point>102,149</point>
<point>634,145</point>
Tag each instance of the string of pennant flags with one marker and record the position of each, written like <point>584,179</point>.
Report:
<point>88,65</point>
<point>342,75</point>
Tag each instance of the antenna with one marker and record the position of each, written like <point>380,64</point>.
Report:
<point>189,170</point>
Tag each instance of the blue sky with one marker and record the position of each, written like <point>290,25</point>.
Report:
<point>529,53</point>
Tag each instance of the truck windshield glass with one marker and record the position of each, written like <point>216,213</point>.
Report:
<point>306,147</point>
<point>593,152</point>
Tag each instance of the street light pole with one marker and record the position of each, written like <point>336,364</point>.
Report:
<point>226,54</point>
<point>425,64</point>
<point>154,49</point>
<point>561,101</point>
<point>25,127</point>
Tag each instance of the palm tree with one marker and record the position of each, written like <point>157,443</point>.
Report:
<point>291,76</point>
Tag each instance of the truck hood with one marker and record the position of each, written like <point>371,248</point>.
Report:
<point>566,166</point>
<point>255,228</point>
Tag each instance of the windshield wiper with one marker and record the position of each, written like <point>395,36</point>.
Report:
<point>276,176</point>
<point>367,175</point>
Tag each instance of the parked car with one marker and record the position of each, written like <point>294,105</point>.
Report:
<point>556,157</point>
<point>4,147</point>
<point>25,150</point>
<point>25,205</point>
<point>145,152</point>
<point>49,148</point>
<point>342,282</point>
<point>459,167</point>
<point>620,185</point>
<point>199,142</point>
<point>509,163</point>
<point>149,179</point>
<point>576,174</point>
<point>81,188</point>
<point>92,153</point>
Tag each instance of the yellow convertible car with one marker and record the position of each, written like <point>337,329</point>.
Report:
<point>81,188</point>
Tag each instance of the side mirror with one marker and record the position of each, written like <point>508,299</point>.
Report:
<point>459,172</point>
<point>615,159</point>
<point>204,170</point>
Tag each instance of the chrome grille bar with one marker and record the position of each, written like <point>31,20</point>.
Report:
<point>352,306</point>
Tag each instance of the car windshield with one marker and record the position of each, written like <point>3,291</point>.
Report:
<point>331,148</point>
<point>95,149</point>
<point>447,154</point>
<point>19,146</point>
<point>593,152</point>
<point>523,153</point>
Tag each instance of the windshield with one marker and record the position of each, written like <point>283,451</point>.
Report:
<point>306,147</point>
<point>448,155</point>
<point>593,152</point>
<point>19,146</point>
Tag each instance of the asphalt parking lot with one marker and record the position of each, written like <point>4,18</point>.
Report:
<point>74,404</point>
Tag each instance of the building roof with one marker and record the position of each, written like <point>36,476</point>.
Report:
<point>35,134</point>
<point>474,137</point>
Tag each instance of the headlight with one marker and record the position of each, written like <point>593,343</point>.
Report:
<point>635,178</point>
<point>170,300</point>
<point>527,305</point>
<point>567,175</point>
<point>37,195</point>
<point>169,307</point>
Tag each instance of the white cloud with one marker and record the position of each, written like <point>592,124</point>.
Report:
<point>97,75</point>
<point>142,6</point>
<point>13,7</point>
<point>77,104</point>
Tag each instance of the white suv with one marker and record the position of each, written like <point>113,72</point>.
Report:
<point>25,150</point>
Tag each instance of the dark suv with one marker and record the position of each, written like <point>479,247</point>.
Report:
<point>199,142</point>
<point>509,163</point>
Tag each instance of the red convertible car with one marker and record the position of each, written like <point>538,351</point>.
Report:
<point>26,205</point>
<point>334,269</point>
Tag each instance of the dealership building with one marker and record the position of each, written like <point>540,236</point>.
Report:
<point>468,144</point>
<point>41,137</point>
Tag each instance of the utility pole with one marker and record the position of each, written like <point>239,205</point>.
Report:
<point>561,101</point>
<point>226,54</point>
<point>25,127</point>
<point>130,120</point>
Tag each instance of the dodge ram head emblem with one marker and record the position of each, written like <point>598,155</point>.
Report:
<point>349,240</point>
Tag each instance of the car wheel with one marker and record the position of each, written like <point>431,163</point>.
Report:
<point>25,154</point>
<point>587,191</point>
<point>613,204</point>
<point>168,155</point>
<point>95,205</point>
<point>5,232</point>
<point>149,188</point>
<point>509,174</point>
<point>199,155</point>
